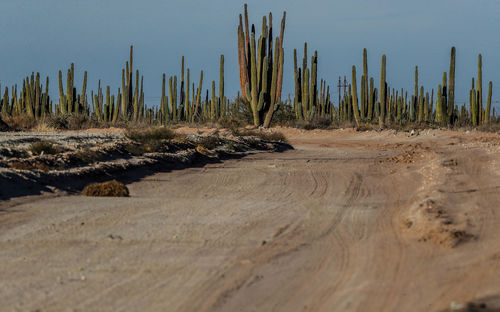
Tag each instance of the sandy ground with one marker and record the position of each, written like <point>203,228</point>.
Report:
<point>347,221</point>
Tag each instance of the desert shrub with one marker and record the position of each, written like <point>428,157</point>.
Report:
<point>79,122</point>
<point>44,147</point>
<point>87,155</point>
<point>284,115</point>
<point>228,122</point>
<point>209,142</point>
<point>150,135</point>
<point>59,122</point>
<point>106,189</point>
<point>20,122</point>
<point>148,140</point>
<point>493,126</point>
<point>273,136</point>
<point>317,122</point>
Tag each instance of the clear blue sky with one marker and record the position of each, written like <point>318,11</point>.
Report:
<point>48,35</point>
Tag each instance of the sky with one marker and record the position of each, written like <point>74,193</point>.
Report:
<point>47,36</point>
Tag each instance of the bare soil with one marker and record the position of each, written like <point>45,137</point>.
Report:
<point>347,221</point>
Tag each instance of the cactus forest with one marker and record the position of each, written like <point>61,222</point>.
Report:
<point>186,99</point>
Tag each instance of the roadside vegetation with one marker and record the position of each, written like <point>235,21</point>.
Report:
<point>365,102</point>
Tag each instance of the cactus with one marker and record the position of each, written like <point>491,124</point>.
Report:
<point>221,82</point>
<point>421,105</point>
<point>451,86</point>
<point>255,67</point>
<point>382,92</point>
<point>355,96</point>
<point>488,103</point>
<point>213,102</point>
<point>479,103</point>
<point>364,86</point>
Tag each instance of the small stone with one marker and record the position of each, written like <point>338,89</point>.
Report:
<point>456,306</point>
<point>83,278</point>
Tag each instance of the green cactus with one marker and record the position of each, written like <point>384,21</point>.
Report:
<point>371,99</point>
<point>355,107</point>
<point>364,86</point>
<point>421,105</point>
<point>439,106</point>
<point>221,82</point>
<point>253,60</point>
<point>382,92</point>
<point>451,86</point>
<point>479,106</point>
<point>488,103</point>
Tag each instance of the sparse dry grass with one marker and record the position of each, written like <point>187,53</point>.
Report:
<point>87,155</point>
<point>106,189</point>
<point>209,142</point>
<point>24,165</point>
<point>20,122</point>
<point>148,140</point>
<point>273,136</point>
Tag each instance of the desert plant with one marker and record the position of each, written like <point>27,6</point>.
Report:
<point>106,189</point>
<point>261,77</point>
<point>43,147</point>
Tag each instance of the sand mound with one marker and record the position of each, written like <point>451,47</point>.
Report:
<point>109,189</point>
<point>430,222</point>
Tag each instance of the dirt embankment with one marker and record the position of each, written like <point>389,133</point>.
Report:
<point>347,221</point>
<point>34,163</point>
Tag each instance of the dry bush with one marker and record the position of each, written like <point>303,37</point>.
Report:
<point>44,147</point>
<point>59,122</point>
<point>209,142</point>
<point>20,122</point>
<point>87,155</point>
<point>284,115</point>
<point>106,189</point>
<point>80,122</point>
<point>230,123</point>
<point>148,140</point>
<point>492,127</point>
<point>274,136</point>
<point>150,135</point>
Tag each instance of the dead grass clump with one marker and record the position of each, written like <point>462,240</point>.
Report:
<point>43,147</point>
<point>59,122</point>
<point>273,136</point>
<point>150,135</point>
<point>230,123</point>
<point>87,155</point>
<point>209,142</point>
<point>106,189</point>
<point>491,127</point>
<point>316,123</point>
<point>148,140</point>
<point>23,165</point>
<point>43,126</point>
<point>79,122</point>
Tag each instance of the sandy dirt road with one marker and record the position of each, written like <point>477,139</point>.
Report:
<point>345,222</point>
